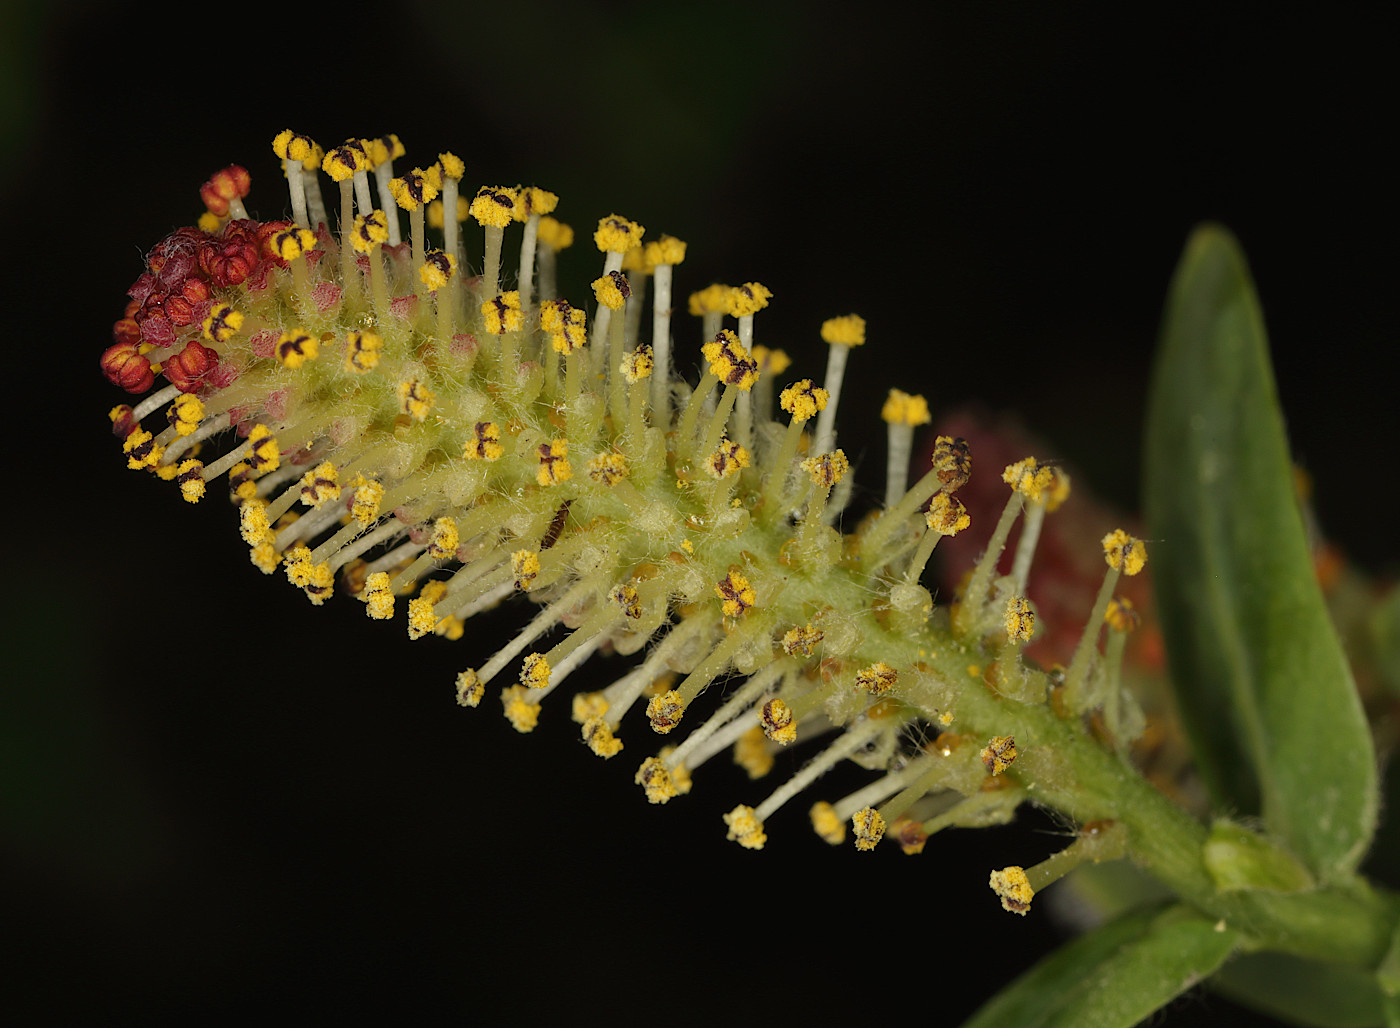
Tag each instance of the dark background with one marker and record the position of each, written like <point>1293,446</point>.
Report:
<point>213,797</point>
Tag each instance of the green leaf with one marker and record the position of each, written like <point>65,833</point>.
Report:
<point>1114,976</point>
<point>1237,858</point>
<point>1264,690</point>
<point>1302,992</point>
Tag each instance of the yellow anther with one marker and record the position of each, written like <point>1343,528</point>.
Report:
<point>502,313</point>
<point>653,777</point>
<point>801,640</point>
<point>666,250</point>
<point>736,593</point>
<point>533,200</point>
<point>222,324</point>
<point>185,413</point>
<point>1029,478</point>
<point>745,828</point>
<point>413,190</point>
<point>554,462</point>
<point>749,298</point>
<point>713,299</point>
<point>847,330</point>
<point>484,443</point>
<point>320,484</point>
<point>775,717</point>
<point>869,828</point>
<point>803,400</point>
<point>209,222</point>
<point>566,325</point>
<point>362,351</point>
<point>421,619</point>
<point>263,453</point>
<point>415,398</point>
<point>291,243</point>
<point>370,230</point>
<point>1019,619</point>
<point>599,736</point>
<point>534,671</point>
<point>999,754</point>
<point>902,408</point>
<point>554,234</point>
<point>1014,888</point>
<point>364,508</point>
<point>637,364</point>
<point>319,583</point>
<point>665,711</point>
<point>445,539</point>
<point>771,362</point>
<point>608,468</point>
<point>166,472</point>
<point>299,566</point>
<point>437,269</point>
<point>383,148</point>
<point>729,458</point>
<point>343,161</point>
<point>589,704</point>
<point>296,347</point>
<point>612,290</point>
<point>290,146</point>
<point>433,591</point>
<point>1123,552</point>
<point>265,557</point>
<point>452,165</point>
<point>1058,492</point>
<point>877,679</point>
<point>435,212</point>
<point>525,566</point>
<point>523,716</point>
<point>617,235</point>
<point>827,469</point>
<point>729,361</point>
<point>470,688</point>
<point>451,628</point>
<point>378,596</point>
<point>252,522</point>
<point>493,206</point>
<point>826,824</point>
<point>946,515</point>
<point>1121,616</point>
<point>953,461</point>
<point>241,484</point>
<point>190,476</point>
<point>636,261</point>
<point>753,754</point>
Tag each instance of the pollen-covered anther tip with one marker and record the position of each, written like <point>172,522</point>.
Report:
<point>616,234</point>
<point>1121,616</point>
<point>589,705</point>
<point>470,688</point>
<point>826,824</point>
<point>320,484</point>
<point>869,828</point>
<point>1124,553</point>
<point>554,464</point>
<point>222,323</point>
<point>185,413</point>
<point>665,711</point>
<point>1014,889</point>
<point>637,364</point>
<point>628,600</point>
<point>952,460</point>
<point>778,723</point>
<point>999,754</point>
<point>523,716</point>
<point>801,640</point>
<point>736,593</point>
<point>946,515</point>
<point>655,779</point>
<point>370,230</point>
<point>362,351</point>
<point>612,290</point>
<point>827,469</point>
<point>297,346</point>
<point>1029,478</point>
<point>803,400</point>
<point>728,458</point>
<point>378,595</point>
<point>415,398</point>
<point>1019,619</point>
<point>747,299</point>
<point>847,330</point>
<point>534,671</point>
<point>608,468</point>
<point>600,739</point>
<point>485,442</point>
<point>666,250</point>
<point>903,408</point>
<point>745,828</point>
<point>525,566</point>
<point>190,477</point>
<point>421,619</point>
<point>877,679</point>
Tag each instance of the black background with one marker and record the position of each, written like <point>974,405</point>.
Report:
<point>218,799</point>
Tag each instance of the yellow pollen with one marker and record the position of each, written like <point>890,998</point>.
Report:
<point>589,704</point>
<point>608,468</point>
<point>1014,888</point>
<point>485,442</point>
<point>801,640</point>
<point>378,596</point>
<point>437,269</point>
<point>1029,478</point>
<point>415,189</point>
<point>666,250</point>
<point>612,290</point>
<point>1120,615</point>
<point>710,300</point>
<point>665,711</point>
<point>452,165</point>
<point>362,350</point>
<point>470,688</point>
<point>222,324</point>
<point>185,413</point>
<point>533,200</point>
<point>534,671</point>
<point>617,235</point>
<point>296,347</point>
<point>999,754</point>
<point>1123,552</point>
<point>364,508</point>
<point>638,364</point>
<point>847,330</point>
<point>494,206</point>
<point>747,299</point>
<point>191,478</point>
<point>826,824</point>
<point>777,722</point>
<point>290,146</point>
<point>730,361</point>
<point>554,463</point>
<point>803,400</point>
<point>291,243</point>
<point>415,398</point>
<point>600,739</point>
<point>736,593</point>
<point>771,362</point>
<point>752,753</point>
<point>946,515</point>
<point>320,484</point>
<point>370,230</point>
<point>877,679</point>
<point>728,459</point>
<point>869,828</point>
<point>653,777</point>
<point>745,828</point>
<point>445,539</point>
<point>503,313</point>
<point>554,234</point>
<point>953,461</point>
<point>523,716</point>
<point>421,619</point>
<point>902,408</point>
<point>263,452</point>
<point>1019,619</point>
<point>827,469</point>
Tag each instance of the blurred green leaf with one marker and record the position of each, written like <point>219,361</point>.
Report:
<point>1237,858</point>
<point>1302,992</point>
<point>1385,635</point>
<point>1114,976</point>
<point>1263,686</point>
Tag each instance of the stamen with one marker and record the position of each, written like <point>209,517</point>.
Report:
<point>1028,480</point>
<point>664,254</point>
<point>1097,841</point>
<point>903,413</point>
<point>297,153</point>
<point>1051,500</point>
<point>1124,555</point>
<point>531,203</point>
<point>614,237</point>
<point>554,236</point>
<point>382,152</point>
<point>494,209</point>
<point>841,334</point>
